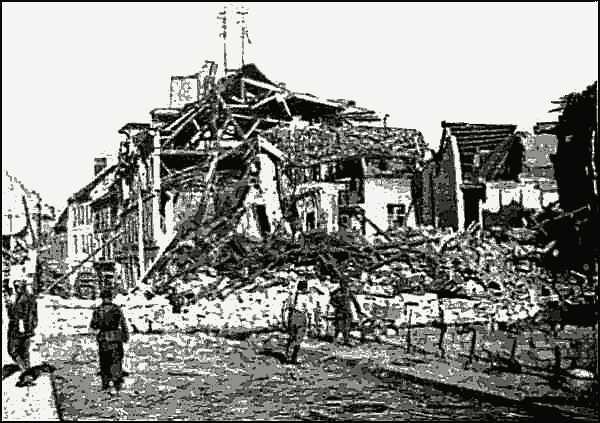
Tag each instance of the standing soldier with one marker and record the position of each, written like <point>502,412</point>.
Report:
<point>22,321</point>
<point>342,300</point>
<point>109,321</point>
<point>297,323</point>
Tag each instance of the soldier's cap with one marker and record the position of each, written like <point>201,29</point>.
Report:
<point>106,293</point>
<point>20,282</point>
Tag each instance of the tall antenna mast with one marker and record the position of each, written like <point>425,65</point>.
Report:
<point>223,18</point>
<point>242,12</point>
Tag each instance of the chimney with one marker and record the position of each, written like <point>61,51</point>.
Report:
<point>99,165</point>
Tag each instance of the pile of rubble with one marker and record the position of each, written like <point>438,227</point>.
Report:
<point>227,281</point>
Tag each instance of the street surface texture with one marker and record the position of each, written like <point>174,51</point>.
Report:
<point>196,376</point>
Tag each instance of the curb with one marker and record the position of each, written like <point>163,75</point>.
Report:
<point>461,388</point>
<point>499,395</point>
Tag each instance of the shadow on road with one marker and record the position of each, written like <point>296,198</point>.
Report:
<point>275,354</point>
<point>9,369</point>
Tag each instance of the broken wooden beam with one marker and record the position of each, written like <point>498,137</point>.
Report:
<point>263,85</point>
<point>173,152</point>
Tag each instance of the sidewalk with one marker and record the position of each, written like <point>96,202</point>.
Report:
<point>392,363</point>
<point>31,403</point>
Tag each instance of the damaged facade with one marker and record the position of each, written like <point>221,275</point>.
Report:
<point>536,187</point>
<point>198,162</point>
<point>470,157</point>
<point>354,178</point>
<point>83,233</point>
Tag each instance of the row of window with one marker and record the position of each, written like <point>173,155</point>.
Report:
<point>82,215</point>
<point>83,243</point>
<point>87,245</point>
<point>315,173</point>
<point>103,219</point>
<point>131,229</point>
<point>396,217</point>
<point>132,225</point>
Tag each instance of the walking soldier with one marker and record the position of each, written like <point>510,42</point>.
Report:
<point>109,321</point>
<point>22,321</point>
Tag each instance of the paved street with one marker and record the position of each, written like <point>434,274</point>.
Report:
<point>182,376</point>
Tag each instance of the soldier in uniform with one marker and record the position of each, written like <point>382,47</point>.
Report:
<point>22,321</point>
<point>298,319</point>
<point>109,322</point>
<point>342,300</point>
<point>297,324</point>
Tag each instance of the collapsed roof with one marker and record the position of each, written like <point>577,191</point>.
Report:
<point>492,143</point>
<point>247,102</point>
<point>324,143</point>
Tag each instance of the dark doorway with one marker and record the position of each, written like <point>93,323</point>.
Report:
<point>263,221</point>
<point>311,221</point>
<point>471,202</point>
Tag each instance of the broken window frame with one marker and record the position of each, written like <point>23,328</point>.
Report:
<point>396,215</point>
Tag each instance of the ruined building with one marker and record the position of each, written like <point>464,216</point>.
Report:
<point>469,156</point>
<point>353,178</point>
<point>265,158</point>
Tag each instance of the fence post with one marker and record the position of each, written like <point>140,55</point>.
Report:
<point>443,329</point>
<point>408,339</point>
<point>513,349</point>
<point>557,362</point>
<point>473,341</point>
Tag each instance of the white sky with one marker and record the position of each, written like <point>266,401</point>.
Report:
<point>73,74</point>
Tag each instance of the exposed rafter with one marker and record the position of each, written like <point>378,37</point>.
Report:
<point>262,85</point>
<point>264,101</point>
<point>252,129</point>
